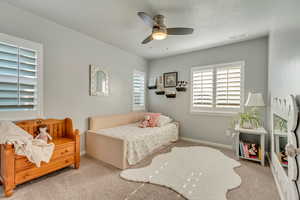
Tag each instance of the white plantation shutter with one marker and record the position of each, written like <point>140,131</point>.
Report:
<point>18,78</point>
<point>202,88</point>
<point>228,87</point>
<point>21,80</point>
<point>138,90</point>
<point>217,88</point>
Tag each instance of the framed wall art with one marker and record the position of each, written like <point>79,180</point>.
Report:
<point>170,79</point>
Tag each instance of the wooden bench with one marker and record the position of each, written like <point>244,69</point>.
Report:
<point>17,169</point>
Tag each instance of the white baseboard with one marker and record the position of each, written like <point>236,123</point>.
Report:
<point>82,153</point>
<point>207,143</point>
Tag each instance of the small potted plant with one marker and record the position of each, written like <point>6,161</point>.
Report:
<point>249,119</point>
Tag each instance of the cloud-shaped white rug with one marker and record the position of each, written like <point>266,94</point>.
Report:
<point>197,173</point>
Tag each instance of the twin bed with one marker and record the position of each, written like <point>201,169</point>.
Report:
<point>118,141</point>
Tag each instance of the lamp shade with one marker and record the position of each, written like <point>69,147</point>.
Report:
<point>255,100</point>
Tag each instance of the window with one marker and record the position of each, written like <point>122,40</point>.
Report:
<point>217,88</point>
<point>138,90</point>
<point>20,81</point>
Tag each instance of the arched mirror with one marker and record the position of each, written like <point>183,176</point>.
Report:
<point>98,81</point>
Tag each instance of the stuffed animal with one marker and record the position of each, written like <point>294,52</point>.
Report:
<point>252,150</point>
<point>146,122</point>
<point>43,134</point>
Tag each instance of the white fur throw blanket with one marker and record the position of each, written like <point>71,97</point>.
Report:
<point>35,150</point>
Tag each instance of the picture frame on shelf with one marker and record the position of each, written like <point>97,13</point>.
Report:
<point>170,79</point>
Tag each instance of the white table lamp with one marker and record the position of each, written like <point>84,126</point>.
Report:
<point>255,100</point>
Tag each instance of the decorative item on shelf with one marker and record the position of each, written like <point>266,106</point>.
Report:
<point>253,150</point>
<point>171,94</point>
<point>181,86</point>
<point>283,158</point>
<point>160,83</point>
<point>170,79</point>
<point>152,84</point>
<point>160,87</point>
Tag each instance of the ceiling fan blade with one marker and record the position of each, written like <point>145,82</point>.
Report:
<point>146,18</point>
<point>180,31</point>
<point>148,39</point>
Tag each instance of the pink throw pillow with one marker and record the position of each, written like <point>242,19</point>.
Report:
<point>154,117</point>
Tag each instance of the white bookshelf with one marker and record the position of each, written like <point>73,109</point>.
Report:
<point>259,132</point>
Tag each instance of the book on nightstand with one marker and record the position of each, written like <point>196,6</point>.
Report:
<point>248,150</point>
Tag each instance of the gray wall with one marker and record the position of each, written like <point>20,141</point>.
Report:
<point>201,126</point>
<point>284,68</point>
<point>67,55</point>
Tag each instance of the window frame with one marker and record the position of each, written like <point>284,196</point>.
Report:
<point>38,109</point>
<point>214,110</point>
<point>136,107</point>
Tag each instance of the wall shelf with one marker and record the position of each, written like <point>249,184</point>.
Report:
<point>159,92</point>
<point>181,89</point>
<point>152,87</point>
<point>171,95</point>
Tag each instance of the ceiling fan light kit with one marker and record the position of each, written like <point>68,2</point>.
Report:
<point>158,34</point>
<point>159,29</point>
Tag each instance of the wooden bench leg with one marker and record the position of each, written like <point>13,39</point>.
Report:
<point>77,149</point>
<point>8,192</point>
<point>8,169</point>
<point>77,165</point>
<point>76,136</point>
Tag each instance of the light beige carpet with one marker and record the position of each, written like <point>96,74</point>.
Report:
<point>98,181</point>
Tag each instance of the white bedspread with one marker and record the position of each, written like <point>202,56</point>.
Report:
<point>35,150</point>
<point>142,141</point>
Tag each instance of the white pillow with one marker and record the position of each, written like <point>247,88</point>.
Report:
<point>163,120</point>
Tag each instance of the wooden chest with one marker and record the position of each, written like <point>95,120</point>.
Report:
<point>17,169</point>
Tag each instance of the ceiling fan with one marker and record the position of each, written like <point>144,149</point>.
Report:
<point>159,29</point>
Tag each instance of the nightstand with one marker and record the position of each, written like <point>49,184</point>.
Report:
<point>259,132</point>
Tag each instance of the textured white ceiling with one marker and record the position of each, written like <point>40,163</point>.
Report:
<point>116,22</point>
